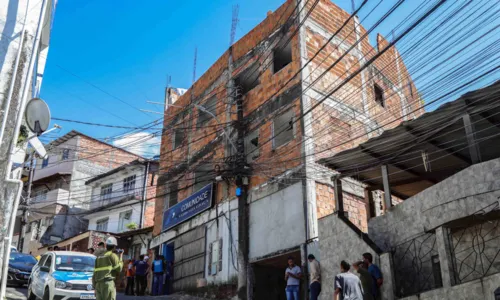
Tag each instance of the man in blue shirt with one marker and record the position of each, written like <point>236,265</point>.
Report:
<point>158,268</point>
<point>374,270</point>
<point>141,273</point>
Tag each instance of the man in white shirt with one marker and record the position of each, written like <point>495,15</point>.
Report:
<point>315,279</point>
<point>293,274</point>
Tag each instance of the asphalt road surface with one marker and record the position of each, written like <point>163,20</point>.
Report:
<point>16,293</point>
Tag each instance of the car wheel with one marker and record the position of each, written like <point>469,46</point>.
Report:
<point>46,295</point>
<point>31,296</point>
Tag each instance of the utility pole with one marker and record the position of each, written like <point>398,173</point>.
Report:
<point>20,244</point>
<point>241,173</point>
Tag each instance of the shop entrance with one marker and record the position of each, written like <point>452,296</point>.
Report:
<point>269,276</point>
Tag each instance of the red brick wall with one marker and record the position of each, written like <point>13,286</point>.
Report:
<point>103,154</point>
<point>354,205</point>
<point>149,212</point>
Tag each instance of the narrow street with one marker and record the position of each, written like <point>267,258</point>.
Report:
<point>16,293</point>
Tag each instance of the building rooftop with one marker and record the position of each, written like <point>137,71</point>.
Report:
<point>427,150</point>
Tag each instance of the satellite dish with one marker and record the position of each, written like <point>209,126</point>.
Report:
<point>37,115</point>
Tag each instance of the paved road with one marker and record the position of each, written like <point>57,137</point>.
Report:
<point>15,293</point>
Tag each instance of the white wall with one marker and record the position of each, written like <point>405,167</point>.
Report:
<point>56,164</point>
<point>227,230</point>
<point>117,181</point>
<point>114,216</point>
<point>277,222</point>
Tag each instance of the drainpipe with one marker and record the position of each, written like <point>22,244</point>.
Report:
<point>17,128</point>
<point>144,195</point>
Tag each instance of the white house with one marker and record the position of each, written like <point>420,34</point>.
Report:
<point>123,199</point>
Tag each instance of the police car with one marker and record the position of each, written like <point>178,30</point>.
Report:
<point>62,275</point>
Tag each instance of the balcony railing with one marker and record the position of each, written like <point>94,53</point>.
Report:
<point>57,196</point>
<point>115,196</point>
<point>416,265</point>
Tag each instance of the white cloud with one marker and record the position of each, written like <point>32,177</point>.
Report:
<point>140,143</point>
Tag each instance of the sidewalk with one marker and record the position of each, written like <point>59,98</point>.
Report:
<point>122,296</point>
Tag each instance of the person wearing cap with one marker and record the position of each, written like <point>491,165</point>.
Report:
<point>107,267</point>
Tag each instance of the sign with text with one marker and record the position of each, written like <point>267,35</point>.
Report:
<point>188,208</point>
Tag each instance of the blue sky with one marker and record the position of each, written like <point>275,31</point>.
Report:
<point>128,50</point>
<point>123,53</point>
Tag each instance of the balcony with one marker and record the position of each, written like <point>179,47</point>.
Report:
<point>57,196</point>
<point>115,197</point>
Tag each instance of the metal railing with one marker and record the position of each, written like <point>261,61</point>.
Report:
<point>475,251</point>
<point>416,265</point>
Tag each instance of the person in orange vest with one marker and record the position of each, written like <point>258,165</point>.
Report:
<point>130,273</point>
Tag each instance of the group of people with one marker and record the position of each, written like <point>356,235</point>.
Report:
<point>348,286</point>
<point>138,271</point>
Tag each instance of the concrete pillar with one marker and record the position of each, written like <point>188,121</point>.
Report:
<point>445,257</point>
<point>389,285</point>
<point>475,154</point>
<point>387,187</point>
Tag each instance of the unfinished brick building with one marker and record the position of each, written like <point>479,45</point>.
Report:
<point>281,70</point>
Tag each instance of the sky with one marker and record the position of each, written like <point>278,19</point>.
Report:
<point>103,54</point>
<point>106,60</point>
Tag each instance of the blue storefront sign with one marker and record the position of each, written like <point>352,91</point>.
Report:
<point>188,208</point>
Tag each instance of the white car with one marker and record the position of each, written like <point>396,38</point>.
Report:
<point>62,275</point>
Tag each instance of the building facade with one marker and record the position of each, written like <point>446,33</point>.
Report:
<point>59,195</point>
<point>443,240</point>
<point>123,199</point>
<point>279,71</point>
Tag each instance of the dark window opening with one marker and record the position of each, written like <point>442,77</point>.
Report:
<point>179,136</point>
<point>211,111</point>
<point>410,88</point>
<point>379,95</point>
<point>202,176</point>
<point>65,154</point>
<point>283,129</point>
<point>45,163</point>
<point>282,56</point>
<point>173,191</point>
<point>248,79</point>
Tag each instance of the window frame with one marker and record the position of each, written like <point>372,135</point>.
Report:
<point>129,183</point>
<point>215,263</point>
<point>99,222</point>
<point>106,191</point>
<point>280,128</point>
<point>122,226</point>
<point>175,143</point>
<point>204,117</point>
<point>282,51</point>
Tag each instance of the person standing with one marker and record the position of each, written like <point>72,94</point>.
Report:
<point>130,273</point>
<point>315,277</point>
<point>141,271</point>
<point>347,284</point>
<point>107,268</point>
<point>366,280</point>
<point>157,267</point>
<point>374,270</point>
<point>293,274</point>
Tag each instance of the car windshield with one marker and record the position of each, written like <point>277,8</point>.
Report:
<point>22,258</point>
<point>75,263</point>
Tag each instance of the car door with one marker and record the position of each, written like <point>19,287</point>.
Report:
<point>34,281</point>
<point>43,275</point>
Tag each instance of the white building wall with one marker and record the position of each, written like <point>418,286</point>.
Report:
<point>117,181</point>
<point>227,231</point>
<point>114,216</point>
<point>277,222</point>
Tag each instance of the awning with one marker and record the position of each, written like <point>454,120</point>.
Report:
<point>427,150</point>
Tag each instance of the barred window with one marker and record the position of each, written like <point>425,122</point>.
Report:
<point>129,183</point>
<point>106,191</point>
<point>102,224</point>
